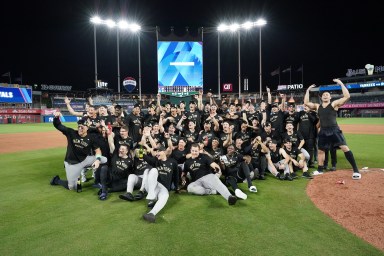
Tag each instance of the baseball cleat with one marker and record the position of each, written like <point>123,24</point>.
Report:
<point>149,217</point>
<point>127,196</point>
<point>253,189</point>
<point>232,200</point>
<point>356,176</point>
<point>54,180</point>
<point>240,194</point>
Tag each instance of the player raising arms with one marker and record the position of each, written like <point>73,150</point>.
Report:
<point>330,133</point>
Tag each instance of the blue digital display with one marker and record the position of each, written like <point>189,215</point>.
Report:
<point>15,95</point>
<point>180,66</point>
<point>352,86</point>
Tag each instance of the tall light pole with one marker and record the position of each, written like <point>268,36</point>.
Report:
<point>95,20</point>
<point>260,23</point>
<point>239,71</point>
<point>118,61</point>
<point>121,25</point>
<point>218,65</point>
<point>138,48</point>
<point>235,27</point>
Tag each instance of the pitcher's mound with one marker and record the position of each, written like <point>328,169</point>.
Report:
<point>358,205</point>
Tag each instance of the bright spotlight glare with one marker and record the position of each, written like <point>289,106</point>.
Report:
<point>123,24</point>
<point>234,27</point>
<point>96,20</point>
<point>110,23</point>
<point>134,27</point>
<point>247,25</point>
<point>222,27</point>
<point>261,22</point>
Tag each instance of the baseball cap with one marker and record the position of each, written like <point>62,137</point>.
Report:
<point>274,142</point>
<point>192,102</point>
<point>274,105</point>
<point>137,105</point>
<point>267,124</point>
<point>82,122</point>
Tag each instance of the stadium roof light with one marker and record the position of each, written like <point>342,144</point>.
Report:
<point>260,22</point>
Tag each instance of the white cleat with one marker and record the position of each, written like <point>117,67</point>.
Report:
<point>240,194</point>
<point>356,176</point>
<point>253,189</point>
<point>315,173</point>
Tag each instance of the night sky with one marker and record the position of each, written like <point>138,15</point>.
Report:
<point>51,42</point>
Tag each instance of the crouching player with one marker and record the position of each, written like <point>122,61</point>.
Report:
<point>298,160</point>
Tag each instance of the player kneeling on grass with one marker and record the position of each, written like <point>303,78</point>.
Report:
<point>278,160</point>
<point>114,178</point>
<point>158,181</point>
<point>236,170</point>
<point>80,147</point>
<point>298,160</point>
<point>204,181</point>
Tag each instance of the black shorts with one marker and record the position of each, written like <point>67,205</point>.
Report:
<point>330,137</point>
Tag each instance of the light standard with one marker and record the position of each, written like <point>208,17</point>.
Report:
<point>260,23</point>
<point>95,20</point>
<point>121,25</point>
<point>236,27</point>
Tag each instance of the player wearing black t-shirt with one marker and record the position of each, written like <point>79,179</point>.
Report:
<point>115,178</point>
<point>80,148</point>
<point>204,182</point>
<point>330,134</point>
<point>159,181</point>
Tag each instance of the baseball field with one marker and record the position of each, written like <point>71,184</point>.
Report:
<point>323,216</point>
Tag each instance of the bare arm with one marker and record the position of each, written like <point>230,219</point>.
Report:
<point>269,96</point>
<point>309,104</point>
<point>339,102</point>
<point>70,109</point>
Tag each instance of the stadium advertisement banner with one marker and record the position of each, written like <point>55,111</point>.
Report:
<point>49,119</point>
<point>364,105</point>
<point>180,67</point>
<point>20,111</point>
<point>353,86</point>
<point>15,95</point>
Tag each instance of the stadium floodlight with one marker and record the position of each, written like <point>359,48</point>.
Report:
<point>237,27</point>
<point>121,25</point>
<point>96,20</point>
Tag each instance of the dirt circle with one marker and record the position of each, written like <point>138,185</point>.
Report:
<point>357,205</point>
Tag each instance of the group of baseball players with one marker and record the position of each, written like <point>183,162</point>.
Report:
<point>208,149</point>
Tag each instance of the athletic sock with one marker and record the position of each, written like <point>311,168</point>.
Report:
<point>351,159</point>
<point>320,168</point>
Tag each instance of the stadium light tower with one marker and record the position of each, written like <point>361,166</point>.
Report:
<point>121,25</point>
<point>236,28</point>
<point>95,20</point>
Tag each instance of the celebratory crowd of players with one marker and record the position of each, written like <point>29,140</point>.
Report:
<point>206,150</point>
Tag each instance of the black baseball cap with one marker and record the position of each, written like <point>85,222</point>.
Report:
<point>267,124</point>
<point>82,122</point>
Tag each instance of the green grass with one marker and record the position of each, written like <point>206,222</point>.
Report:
<point>39,219</point>
<point>26,128</point>
<point>360,121</point>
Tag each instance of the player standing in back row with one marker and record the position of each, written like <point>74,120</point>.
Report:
<point>330,133</point>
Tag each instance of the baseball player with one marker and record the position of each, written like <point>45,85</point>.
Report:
<point>80,148</point>
<point>204,182</point>
<point>330,133</point>
<point>158,181</point>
